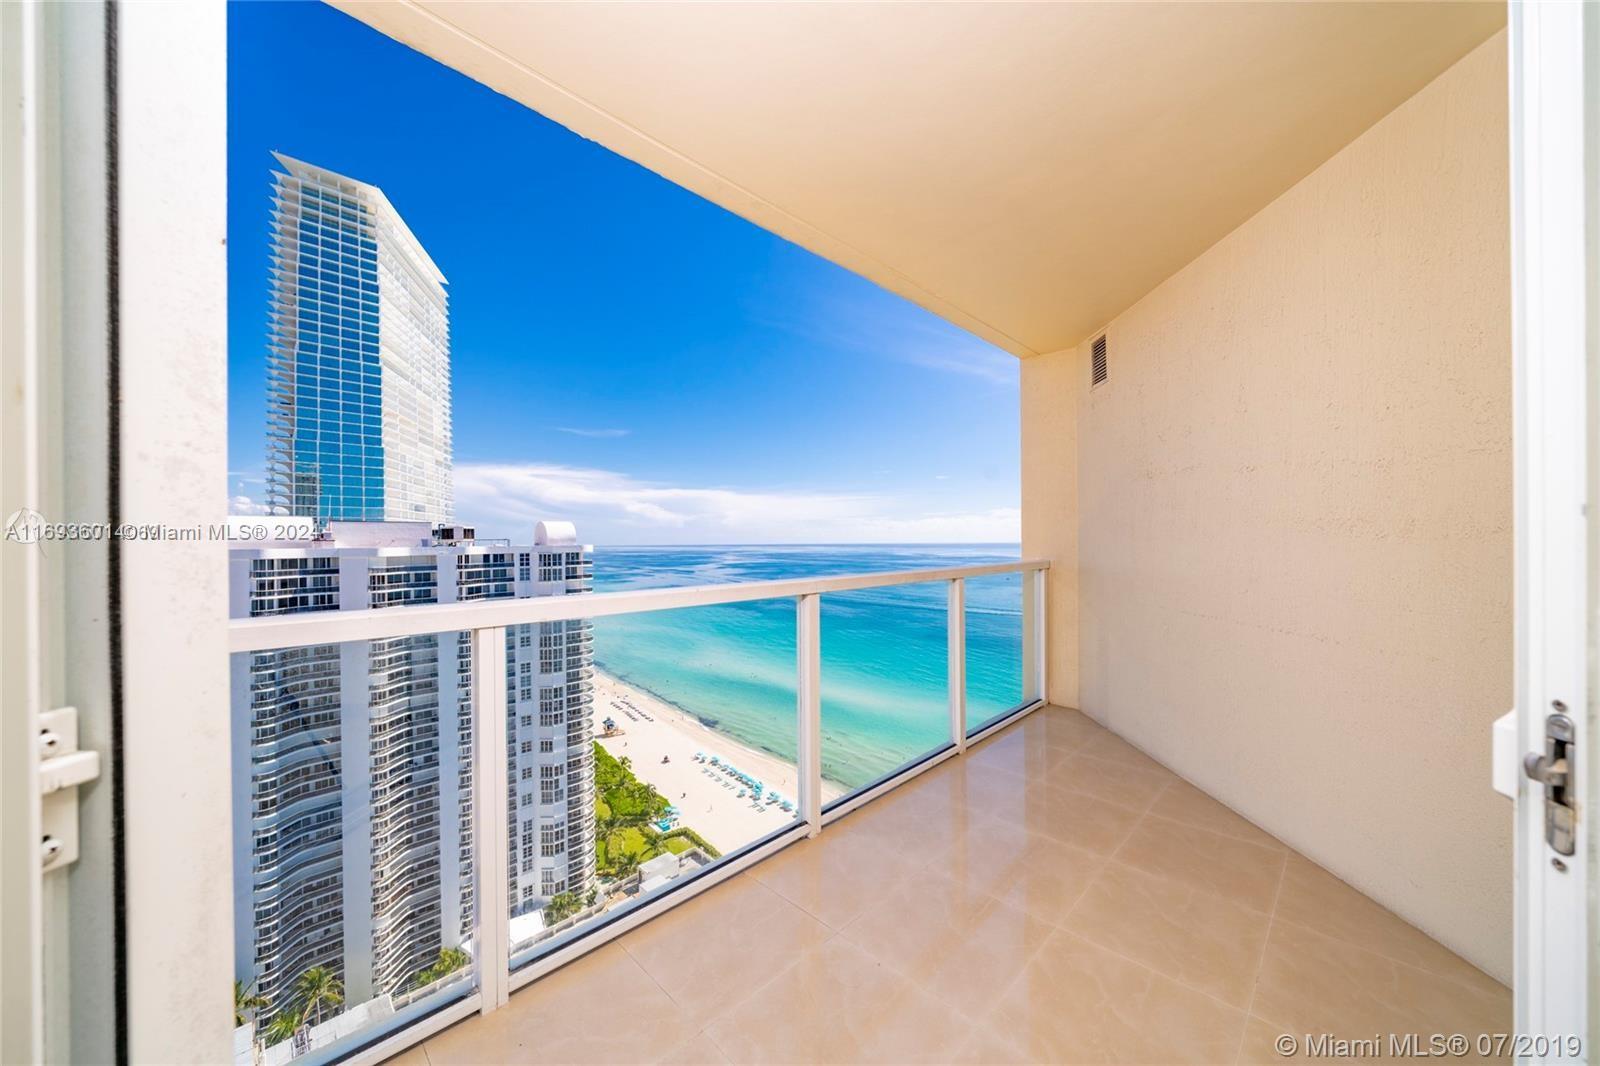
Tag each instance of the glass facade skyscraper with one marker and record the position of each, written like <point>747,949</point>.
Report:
<point>358,369</point>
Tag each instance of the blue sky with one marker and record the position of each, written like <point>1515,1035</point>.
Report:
<point>624,354</point>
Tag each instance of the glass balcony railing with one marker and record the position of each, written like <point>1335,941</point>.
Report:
<point>355,859</point>
<point>884,665</point>
<point>995,678</point>
<point>387,878</point>
<point>674,781</point>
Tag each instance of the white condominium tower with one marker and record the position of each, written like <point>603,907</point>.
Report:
<point>358,365</point>
<point>353,799</point>
<point>352,762</point>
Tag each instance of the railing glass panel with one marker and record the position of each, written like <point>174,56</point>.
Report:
<point>994,644</point>
<point>381,881</point>
<point>671,778</point>
<point>354,864</point>
<point>884,694</point>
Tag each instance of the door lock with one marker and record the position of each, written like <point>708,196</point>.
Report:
<point>1553,770</point>
<point>62,768</point>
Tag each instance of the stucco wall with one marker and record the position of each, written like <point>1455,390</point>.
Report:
<point>1291,511</point>
<point>1050,386</point>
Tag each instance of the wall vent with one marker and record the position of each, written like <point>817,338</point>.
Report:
<point>1098,373</point>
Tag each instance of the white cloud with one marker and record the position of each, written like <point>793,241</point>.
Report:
<point>598,433</point>
<point>244,505</point>
<point>611,507</point>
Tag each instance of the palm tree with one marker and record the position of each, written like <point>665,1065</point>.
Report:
<point>615,822</point>
<point>608,825</point>
<point>623,863</point>
<point>282,1028</point>
<point>317,986</point>
<point>244,1001</point>
<point>562,906</point>
<point>451,960</point>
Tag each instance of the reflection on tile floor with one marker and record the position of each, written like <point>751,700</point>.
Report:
<point>1053,896</point>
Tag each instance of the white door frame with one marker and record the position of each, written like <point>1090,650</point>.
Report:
<point>1553,300</point>
<point>125,955</point>
<point>24,181</point>
<point>171,354</point>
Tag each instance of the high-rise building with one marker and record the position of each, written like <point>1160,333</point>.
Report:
<point>358,365</point>
<point>353,762</point>
<point>353,776</point>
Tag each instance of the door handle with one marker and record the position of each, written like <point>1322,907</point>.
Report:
<point>1553,770</point>
<point>1548,772</point>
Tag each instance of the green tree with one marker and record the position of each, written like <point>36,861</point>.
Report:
<point>608,772</point>
<point>562,906</point>
<point>623,862</point>
<point>613,821</point>
<point>450,960</point>
<point>282,1028</point>
<point>622,802</point>
<point>245,1003</point>
<point>316,987</point>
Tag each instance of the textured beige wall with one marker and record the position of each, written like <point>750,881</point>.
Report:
<point>1293,513</point>
<point>1050,385</point>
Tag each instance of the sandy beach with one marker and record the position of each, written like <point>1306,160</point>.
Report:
<point>650,729</point>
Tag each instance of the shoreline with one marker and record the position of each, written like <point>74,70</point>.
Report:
<point>650,728</point>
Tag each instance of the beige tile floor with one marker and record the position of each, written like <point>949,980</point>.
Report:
<point>1053,896</point>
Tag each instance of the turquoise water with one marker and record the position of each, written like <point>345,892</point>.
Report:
<point>883,650</point>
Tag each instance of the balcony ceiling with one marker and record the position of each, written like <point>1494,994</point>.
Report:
<point>1025,170</point>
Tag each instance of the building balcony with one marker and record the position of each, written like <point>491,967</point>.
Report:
<point>1014,862</point>
<point>1052,891</point>
<point>1306,504</point>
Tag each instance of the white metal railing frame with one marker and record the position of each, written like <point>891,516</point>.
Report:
<point>332,627</point>
<point>487,620</point>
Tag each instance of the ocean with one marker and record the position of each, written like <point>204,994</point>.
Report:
<point>883,650</point>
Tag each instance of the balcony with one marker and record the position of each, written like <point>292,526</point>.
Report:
<point>1299,294</point>
<point>748,817</point>
<point>1052,893</point>
<point>949,906</point>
